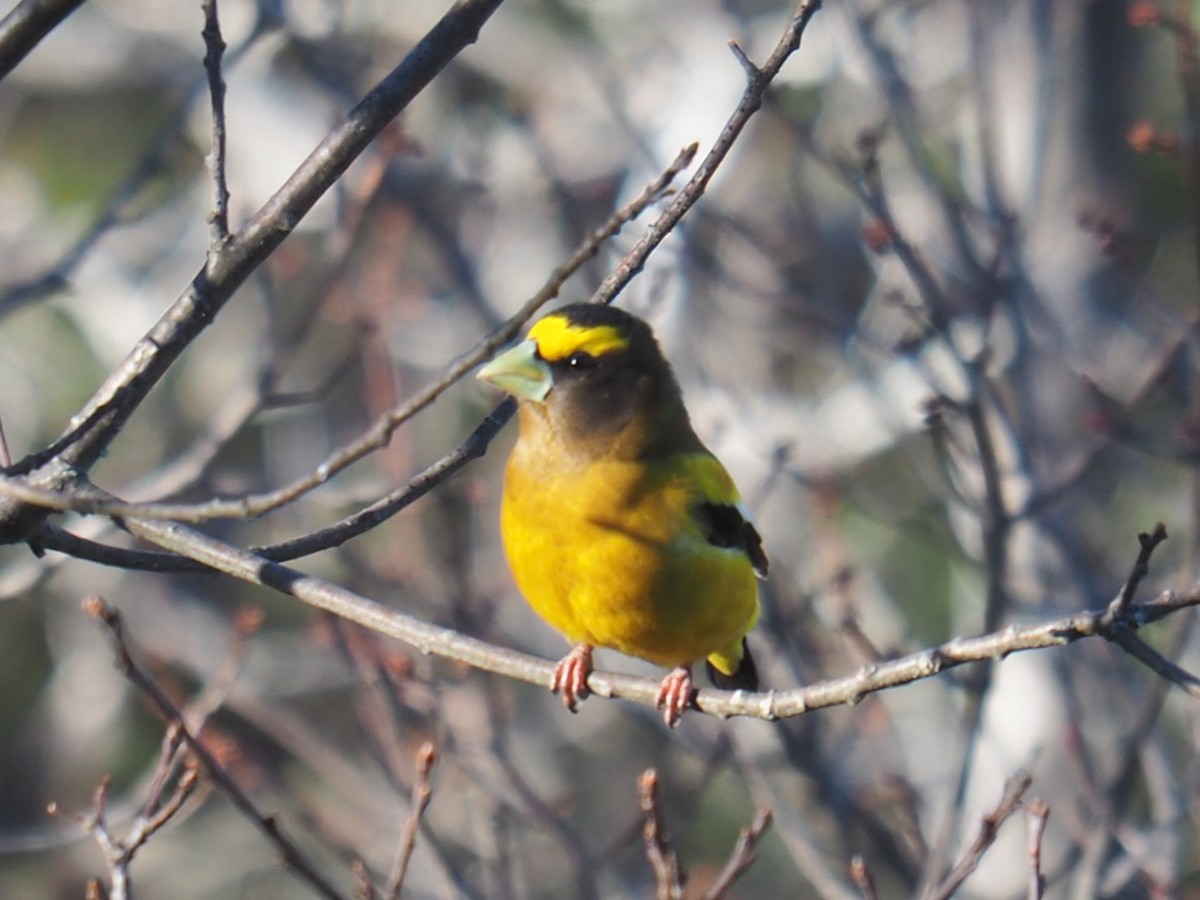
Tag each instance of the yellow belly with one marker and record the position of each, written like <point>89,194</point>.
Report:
<point>609,555</point>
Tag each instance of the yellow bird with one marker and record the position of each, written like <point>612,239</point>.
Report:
<point>621,528</point>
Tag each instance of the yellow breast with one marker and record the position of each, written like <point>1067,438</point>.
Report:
<point>609,553</point>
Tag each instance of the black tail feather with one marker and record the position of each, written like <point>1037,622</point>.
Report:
<point>744,679</point>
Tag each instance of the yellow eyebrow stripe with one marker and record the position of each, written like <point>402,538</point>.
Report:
<point>557,338</point>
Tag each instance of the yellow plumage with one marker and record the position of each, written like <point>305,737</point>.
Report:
<point>610,555</point>
<point>621,529</point>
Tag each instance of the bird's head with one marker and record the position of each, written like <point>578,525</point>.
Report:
<point>594,373</point>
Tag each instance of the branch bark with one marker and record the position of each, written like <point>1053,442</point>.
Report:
<point>770,705</point>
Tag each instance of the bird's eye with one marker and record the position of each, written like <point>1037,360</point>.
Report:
<point>580,362</point>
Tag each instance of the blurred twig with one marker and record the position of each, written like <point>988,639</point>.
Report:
<point>860,874</point>
<point>668,878</point>
<point>119,851</point>
<point>150,164</point>
<point>26,24</point>
<point>214,49</point>
<point>758,79</point>
<point>266,823</point>
<point>1036,814</point>
<point>1014,790</point>
<point>743,855</point>
<point>421,794</point>
<point>5,457</point>
<point>1148,543</point>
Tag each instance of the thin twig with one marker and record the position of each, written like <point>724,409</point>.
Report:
<point>214,50</point>
<point>667,877</point>
<point>364,889</point>
<point>861,875</point>
<point>168,755</point>
<point>1157,663</point>
<point>1141,568</point>
<point>1014,790</point>
<point>421,794</point>
<point>264,822</point>
<point>1036,814</point>
<point>745,852</point>
<point>95,823</point>
<point>995,526</point>
<point>120,201</point>
<point>145,827</point>
<point>119,852</point>
<point>758,80</point>
<point>5,457</point>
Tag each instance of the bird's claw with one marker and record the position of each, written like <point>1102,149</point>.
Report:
<point>571,675</point>
<point>675,695</point>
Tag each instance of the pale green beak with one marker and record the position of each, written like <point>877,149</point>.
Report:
<point>520,372</point>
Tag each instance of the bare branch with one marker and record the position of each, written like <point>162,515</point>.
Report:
<point>145,827</point>
<point>214,49</point>
<point>860,874</point>
<point>766,705</point>
<point>1157,663</point>
<point>27,23</point>
<point>5,457</point>
<point>118,851</point>
<point>1148,544</point>
<point>745,852</point>
<point>95,823</point>
<point>1014,790</point>
<point>1036,814</point>
<point>758,80</point>
<point>266,823</point>
<point>421,794</point>
<point>667,876</point>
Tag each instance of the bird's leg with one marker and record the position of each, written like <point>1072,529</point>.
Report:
<point>571,675</point>
<point>675,694</point>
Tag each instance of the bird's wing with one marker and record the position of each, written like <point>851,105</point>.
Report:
<point>720,514</point>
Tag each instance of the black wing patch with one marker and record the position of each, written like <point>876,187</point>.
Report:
<point>725,526</point>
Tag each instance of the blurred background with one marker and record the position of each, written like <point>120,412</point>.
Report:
<point>937,313</point>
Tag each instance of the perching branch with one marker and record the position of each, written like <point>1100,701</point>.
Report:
<point>777,704</point>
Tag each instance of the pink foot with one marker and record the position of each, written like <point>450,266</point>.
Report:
<point>675,695</point>
<point>571,675</point>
